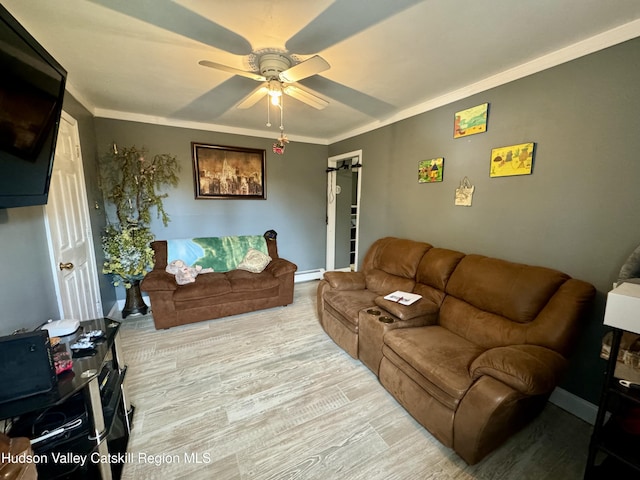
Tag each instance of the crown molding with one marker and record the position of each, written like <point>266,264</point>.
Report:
<point>585,47</point>
<point>171,122</point>
<point>79,96</point>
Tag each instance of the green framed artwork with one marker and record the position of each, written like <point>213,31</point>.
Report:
<point>470,121</point>
<point>512,160</point>
<point>430,171</point>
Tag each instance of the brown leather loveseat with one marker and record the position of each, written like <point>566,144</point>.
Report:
<point>217,294</point>
<point>476,358</point>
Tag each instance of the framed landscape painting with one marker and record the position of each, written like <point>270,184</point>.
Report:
<point>222,172</point>
<point>470,121</point>
<point>512,160</point>
<point>430,171</point>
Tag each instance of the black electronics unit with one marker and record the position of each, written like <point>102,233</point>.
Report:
<point>26,365</point>
<point>32,87</point>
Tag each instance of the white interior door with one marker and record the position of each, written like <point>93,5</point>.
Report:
<point>69,230</point>
<point>343,219</point>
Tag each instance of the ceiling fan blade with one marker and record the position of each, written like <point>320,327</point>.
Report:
<point>235,71</point>
<point>217,101</point>
<point>253,98</point>
<point>341,20</point>
<point>305,97</point>
<point>171,16</point>
<point>304,69</point>
<point>359,101</point>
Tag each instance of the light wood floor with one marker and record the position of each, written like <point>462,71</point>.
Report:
<point>268,395</point>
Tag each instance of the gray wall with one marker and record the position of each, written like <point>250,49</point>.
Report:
<point>577,212</point>
<point>295,190</point>
<point>27,292</point>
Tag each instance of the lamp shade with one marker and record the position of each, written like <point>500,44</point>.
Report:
<point>623,307</point>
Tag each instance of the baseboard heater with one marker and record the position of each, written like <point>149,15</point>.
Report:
<point>308,275</point>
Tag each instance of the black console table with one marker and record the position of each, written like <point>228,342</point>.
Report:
<point>93,390</point>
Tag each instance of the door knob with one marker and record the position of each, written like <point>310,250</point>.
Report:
<point>65,266</point>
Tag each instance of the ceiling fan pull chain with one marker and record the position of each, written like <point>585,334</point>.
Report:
<point>268,111</point>
<point>281,105</point>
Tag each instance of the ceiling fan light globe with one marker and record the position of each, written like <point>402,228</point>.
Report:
<point>275,88</point>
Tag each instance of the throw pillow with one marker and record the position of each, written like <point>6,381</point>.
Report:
<point>254,261</point>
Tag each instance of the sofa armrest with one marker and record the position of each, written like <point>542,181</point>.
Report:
<point>421,308</point>
<point>158,280</point>
<point>279,266</point>
<point>345,280</point>
<point>529,369</point>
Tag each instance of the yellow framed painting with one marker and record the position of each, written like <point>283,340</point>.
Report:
<point>512,160</point>
<point>470,121</point>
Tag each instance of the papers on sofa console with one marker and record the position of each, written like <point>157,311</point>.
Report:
<point>404,298</point>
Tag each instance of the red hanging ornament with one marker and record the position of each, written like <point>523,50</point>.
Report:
<point>278,147</point>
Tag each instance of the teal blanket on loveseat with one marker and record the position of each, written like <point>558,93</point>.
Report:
<point>223,254</point>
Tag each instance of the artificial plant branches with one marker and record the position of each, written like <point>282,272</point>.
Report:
<point>130,181</point>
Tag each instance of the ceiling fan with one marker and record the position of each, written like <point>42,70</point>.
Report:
<point>278,73</point>
<point>339,21</point>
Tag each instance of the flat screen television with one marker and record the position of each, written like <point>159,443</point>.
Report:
<point>32,86</point>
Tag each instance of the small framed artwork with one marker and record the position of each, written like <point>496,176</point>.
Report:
<point>430,171</point>
<point>512,160</point>
<point>222,172</point>
<point>470,121</point>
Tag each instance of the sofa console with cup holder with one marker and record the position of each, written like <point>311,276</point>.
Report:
<point>477,356</point>
<point>245,274</point>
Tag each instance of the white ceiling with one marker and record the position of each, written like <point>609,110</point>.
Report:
<point>138,59</point>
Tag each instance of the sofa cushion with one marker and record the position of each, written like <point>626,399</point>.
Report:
<point>206,285</point>
<point>400,257</point>
<point>254,261</point>
<point>435,358</point>
<point>346,304</point>
<point>515,291</point>
<point>436,267</point>
<point>383,283</point>
<point>218,304</point>
<point>483,328</point>
<point>434,272</point>
<point>244,281</point>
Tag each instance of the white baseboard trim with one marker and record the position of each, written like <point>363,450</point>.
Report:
<point>308,275</point>
<point>115,310</point>
<point>575,405</point>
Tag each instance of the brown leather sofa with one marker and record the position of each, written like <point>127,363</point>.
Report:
<point>476,358</point>
<point>217,294</point>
